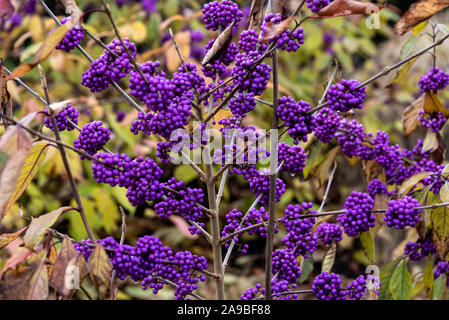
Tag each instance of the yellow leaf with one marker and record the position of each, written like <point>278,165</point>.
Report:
<point>411,182</point>
<point>39,225</point>
<point>139,31</point>
<point>419,28</point>
<point>29,169</point>
<point>444,192</point>
<point>7,238</point>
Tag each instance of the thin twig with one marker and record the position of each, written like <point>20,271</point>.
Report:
<point>122,240</point>
<point>117,33</point>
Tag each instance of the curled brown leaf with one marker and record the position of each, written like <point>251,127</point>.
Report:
<point>340,8</point>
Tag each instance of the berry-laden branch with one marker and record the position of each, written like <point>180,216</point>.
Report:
<point>65,161</point>
<point>387,70</point>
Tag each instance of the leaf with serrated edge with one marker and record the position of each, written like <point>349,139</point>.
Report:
<point>100,269</point>
<point>410,116</point>
<point>39,225</point>
<point>401,283</point>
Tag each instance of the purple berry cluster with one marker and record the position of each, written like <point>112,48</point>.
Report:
<point>250,78</point>
<point>296,118</point>
<point>327,124</point>
<point>151,263</point>
<point>317,5</point>
<point>218,15</point>
<point>182,201</point>
<point>358,287</point>
<point>329,232</point>
<point>358,217</point>
<point>62,119</point>
<point>72,38</point>
<point>435,79</point>
<point>350,137</point>
<point>300,237</point>
<point>293,158</point>
<point>286,265</point>
<point>327,286</point>
<point>248,40</point>
<point>259,183</point>
<point>92,138</point>
<point>402,213</point>
<point>345,96</point>
<point>434,122</point>
<point>140,176</point>
<point>420,249</point>
<point>242,104</point>
<point>109,67</point>
<point>375,187</point>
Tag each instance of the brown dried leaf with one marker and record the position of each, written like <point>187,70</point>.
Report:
<point>66,256</point>
<point>430,142</point>
<point>274,30</point>
<point>418,12</point>
<point>220,45</point>
<point>256,14</point>
<point>374,170</point>
<point>432,105</point>
<point>340,8</point>
<point>28,281</point>
<point>7,238</point>
<point>410,116</point>
<point>38,226</point>
<point>100,270</point>
<point>44,51</point>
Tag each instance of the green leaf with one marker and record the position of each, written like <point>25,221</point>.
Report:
<point>329,258</point>
<point>185,172</point>
<point>439,286</point>
<point>440,221</point>
<point>367,240</point>
<point>428,276</point>
<point>107,207</point>
<point>38,226</point>
<point>407,48</point>
<point>306,269</point>
<point>385,277</point>
<point>401,283</point>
